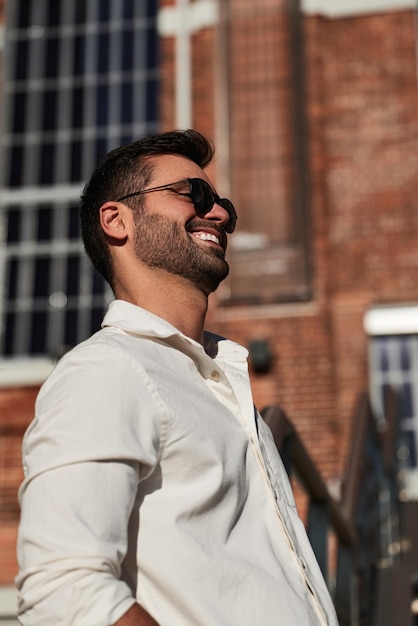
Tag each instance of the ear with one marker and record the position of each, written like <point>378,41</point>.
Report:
<point>114,220</point>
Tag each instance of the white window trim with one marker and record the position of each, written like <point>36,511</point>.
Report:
<point>392,320</point>
<point>346,8</point>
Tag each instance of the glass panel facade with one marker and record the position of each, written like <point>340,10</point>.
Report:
<point>80,78</point>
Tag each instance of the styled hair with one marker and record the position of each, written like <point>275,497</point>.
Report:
<point>125,170</point>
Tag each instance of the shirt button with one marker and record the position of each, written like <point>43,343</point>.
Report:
<point>215,375</point>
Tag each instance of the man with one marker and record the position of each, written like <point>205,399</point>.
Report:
<point>153,491</point>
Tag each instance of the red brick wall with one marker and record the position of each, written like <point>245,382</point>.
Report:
<point>16,411</point>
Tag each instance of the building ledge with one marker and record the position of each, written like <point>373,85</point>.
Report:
<point>25,371</point>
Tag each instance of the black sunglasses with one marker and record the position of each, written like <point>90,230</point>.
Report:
<point>202,196</point>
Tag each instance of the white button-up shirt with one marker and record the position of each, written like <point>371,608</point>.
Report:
<point>150,478</point>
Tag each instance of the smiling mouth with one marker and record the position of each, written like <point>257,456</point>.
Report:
<point>207,237</point>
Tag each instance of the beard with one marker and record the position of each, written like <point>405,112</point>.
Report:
<point>165,244</point>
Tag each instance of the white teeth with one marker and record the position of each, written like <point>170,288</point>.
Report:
<point>207,237</point>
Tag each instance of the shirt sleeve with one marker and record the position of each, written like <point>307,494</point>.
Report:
<point>96,434</point>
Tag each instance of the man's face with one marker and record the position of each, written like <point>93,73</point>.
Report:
<point>170,235</point>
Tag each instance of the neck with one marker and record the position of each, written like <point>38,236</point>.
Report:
<point>171,297</point>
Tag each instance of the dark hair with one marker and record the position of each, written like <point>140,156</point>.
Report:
<point>127,169</point>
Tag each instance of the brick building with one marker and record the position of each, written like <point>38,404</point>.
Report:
<point>313,107</point>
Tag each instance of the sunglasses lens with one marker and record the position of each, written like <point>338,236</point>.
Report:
<point>202,196</point>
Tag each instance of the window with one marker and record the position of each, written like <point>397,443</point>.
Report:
<point>393,359</point>
<point>268,254</point>
<point>80,78</point>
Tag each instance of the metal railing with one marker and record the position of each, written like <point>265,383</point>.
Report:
<point>365,524</point>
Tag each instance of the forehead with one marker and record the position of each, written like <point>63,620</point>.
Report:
<point>168,168</point>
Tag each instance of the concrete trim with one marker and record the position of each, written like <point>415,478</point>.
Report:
<point>201,14</point>
<point>8,602</point>
<point>392,320</point>
<point>24,372</point>
<point>351,8</point>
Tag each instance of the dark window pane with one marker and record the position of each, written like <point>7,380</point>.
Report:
<point>19,112</point>
<point>38,334</point>
<point>76,150</point>
<point>42,276</point>
<point>407,400</point>
<point>97,314</point>
<point>11,288</point>
<point>101,149</point>
<point>102,106</point>
<point>49,121</point>
<point>14,223</point>
<point>73,223</point>
<point>71,318</point>
<point>104,10</point>
<point>151,103</point>
<point>383,355</point>
<point>73,272</point>
<point>127,103</point>
<point>128,50</point>
<point>54,12</point>
<point>46,174</point>
<point>80,11</point>
<point>128,9</point>
<point>151,7</point>
<point>98,284</point>
<point>405,347</point>
<point>21,60</point>
<point>52,57</point>
<point>44,232</point>
<point>24,14</point>
<point>79,55</point>
<point>9,333</point>
<point>16,166</point>
<point>152,49</point>
<point>77,112</point>
<point>103,53</point>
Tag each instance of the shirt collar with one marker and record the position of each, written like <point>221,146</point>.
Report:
<point>138,321</point>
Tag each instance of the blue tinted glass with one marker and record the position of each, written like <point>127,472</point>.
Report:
<point>104,10</point>
<point>407,400</point>
<point>102,105</point>
<point>383,355</point>
<point>103,53</point>
<point>405,348</point>
<point>127,103</point>
<point>128,49</point>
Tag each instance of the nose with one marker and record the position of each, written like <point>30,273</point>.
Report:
<point>218,214</point>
